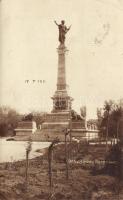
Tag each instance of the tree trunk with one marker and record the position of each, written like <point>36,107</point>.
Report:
<point>50,167</point>
<point>27,165</point>
<point>118,123</point>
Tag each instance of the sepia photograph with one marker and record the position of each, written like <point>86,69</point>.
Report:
<point>61,100</point>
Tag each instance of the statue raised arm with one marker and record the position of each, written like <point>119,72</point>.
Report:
<point>56,23</point>
<point>62,31</point>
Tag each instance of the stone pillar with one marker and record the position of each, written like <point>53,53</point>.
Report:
<point>61,100</point>
<point>61,78</point>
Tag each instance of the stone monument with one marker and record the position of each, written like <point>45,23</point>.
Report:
<point>62,117</point>
<point>61,100</point>
<point>59,118</point>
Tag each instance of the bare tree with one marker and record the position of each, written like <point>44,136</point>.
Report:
<point>117,113</point>
<point>107,108</point>
<point>50,149</point>
<point>28,150</point>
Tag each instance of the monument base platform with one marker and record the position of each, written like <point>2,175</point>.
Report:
<point>54,126</point>
<point>56,123</point>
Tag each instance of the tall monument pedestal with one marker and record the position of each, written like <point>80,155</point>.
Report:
<point>59,118</point>
<point>61,99</point>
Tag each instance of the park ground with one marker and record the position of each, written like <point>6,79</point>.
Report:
<point>89,176</point>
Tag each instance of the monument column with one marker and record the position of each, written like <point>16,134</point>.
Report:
<point>61,77</point>
<point>61,100</point>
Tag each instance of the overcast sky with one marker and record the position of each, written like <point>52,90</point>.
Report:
<point>29,41</point>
